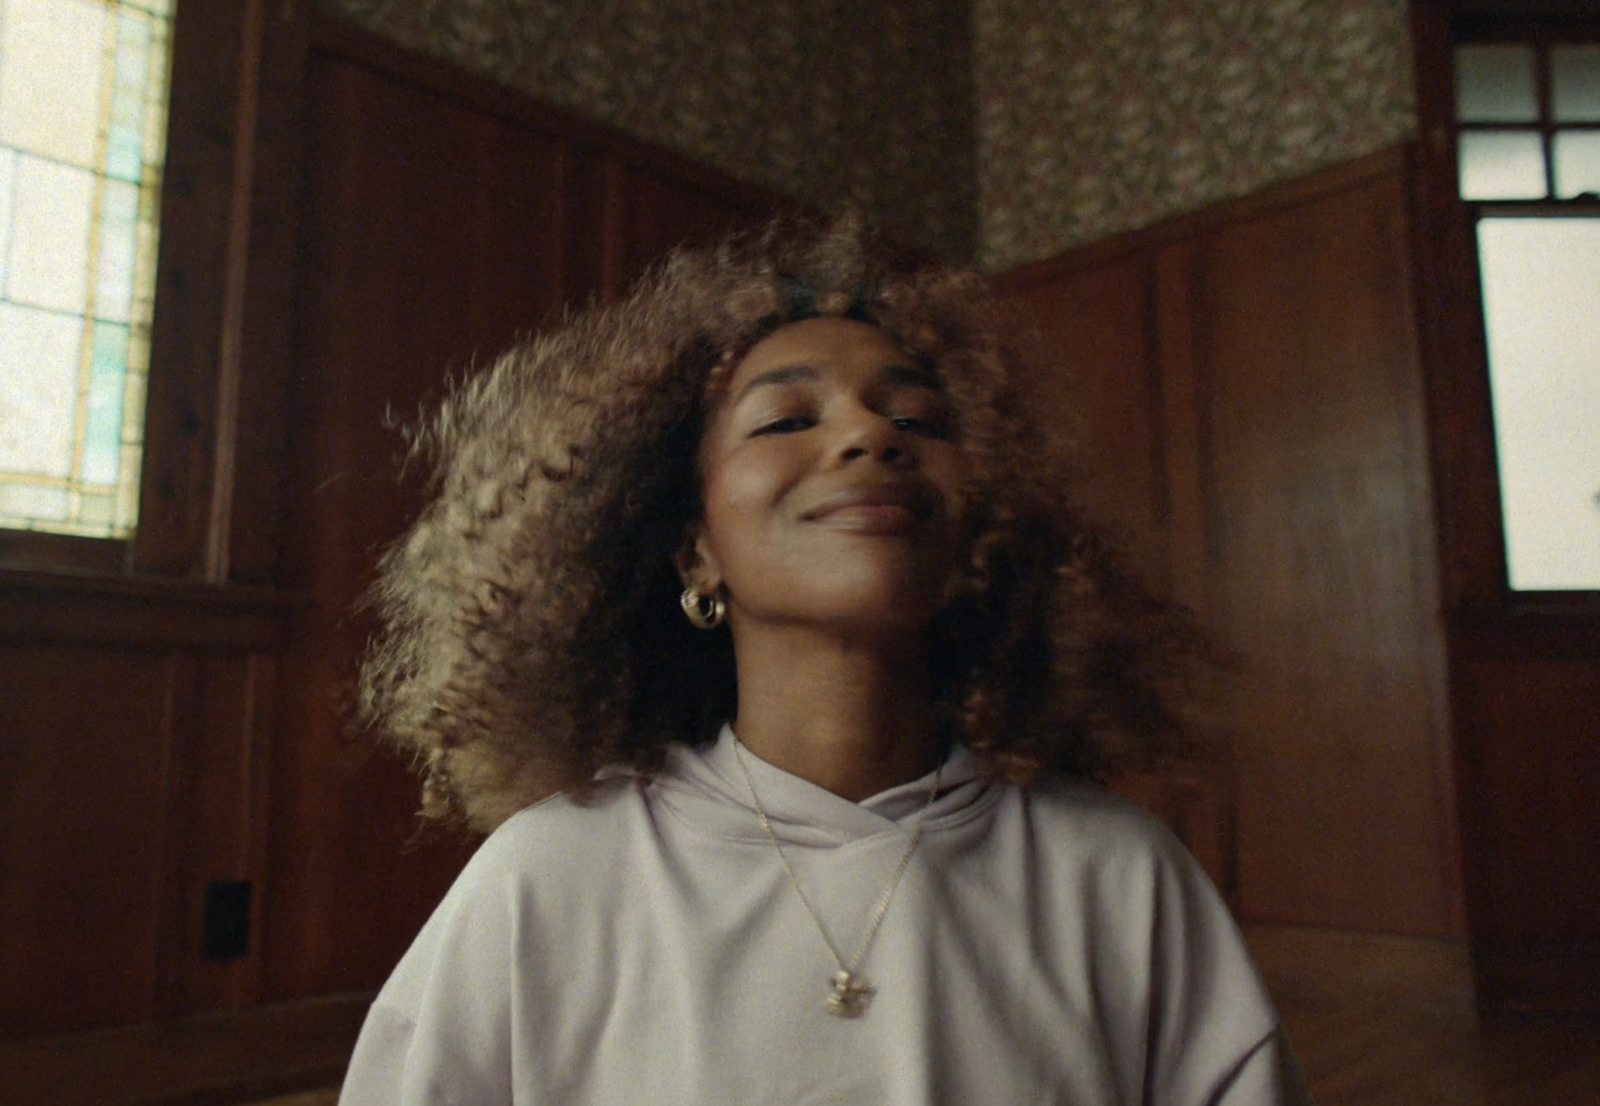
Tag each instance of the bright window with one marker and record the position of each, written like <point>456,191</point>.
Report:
<point>83,88</point>
<point>1529,147</point>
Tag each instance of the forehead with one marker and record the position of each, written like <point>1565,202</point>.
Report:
<point>821,343</point>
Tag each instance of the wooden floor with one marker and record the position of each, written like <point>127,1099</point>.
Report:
<point>1389,1021</point>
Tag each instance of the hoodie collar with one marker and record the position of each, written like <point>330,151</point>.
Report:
<point>705,786</point>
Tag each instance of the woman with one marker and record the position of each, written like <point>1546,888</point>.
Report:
<point>754,620</point>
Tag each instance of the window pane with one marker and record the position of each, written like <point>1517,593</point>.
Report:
<point>1577,163</point>
<point>1541,279</point>
<point>1494,84</point>
<point>83,88</point>
<point>39,356</point>
<point>1498,166</point>
<point>1575,84</point>
<point>52,53</point>
<point>52,210</point>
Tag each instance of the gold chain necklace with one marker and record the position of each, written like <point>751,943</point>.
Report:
<point>850,994</point>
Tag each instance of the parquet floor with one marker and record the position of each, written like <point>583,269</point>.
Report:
<point>1389,1021</point>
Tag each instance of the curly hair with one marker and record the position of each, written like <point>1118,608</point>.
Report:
<point>531,625</point>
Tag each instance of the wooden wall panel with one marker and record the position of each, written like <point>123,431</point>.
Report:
<point>1534,793</point>
<point>430,229</point>
<point>216,829</point>
<point>441,222</point>
<point>134,781</point>
<point>664,210</point>
<point>1105,394</point>
<point>1531,772</point>
<point>1321,564</point>
<point>1250,383</point>
<point>84,734</point>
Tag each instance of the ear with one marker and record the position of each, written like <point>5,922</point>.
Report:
<point>696,564</point>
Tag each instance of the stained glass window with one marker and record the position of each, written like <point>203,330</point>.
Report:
<point>83,89</point>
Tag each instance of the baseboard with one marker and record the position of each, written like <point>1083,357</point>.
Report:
<point>222,1058</point>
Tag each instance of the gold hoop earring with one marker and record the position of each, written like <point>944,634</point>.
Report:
<point>704,609</point>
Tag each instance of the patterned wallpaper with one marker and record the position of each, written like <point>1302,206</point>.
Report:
<point>1008,130</point>
<point>866,102</point>
<point>1100,116</point>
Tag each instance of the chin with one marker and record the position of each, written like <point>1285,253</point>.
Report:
<point>887,608</point>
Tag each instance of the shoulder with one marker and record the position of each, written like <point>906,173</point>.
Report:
<point>1094,818</point>
<point>1091,845</point>
<point>561,831</point>
<point>539,854</point>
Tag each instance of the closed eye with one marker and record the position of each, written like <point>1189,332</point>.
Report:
<point>784,426</point>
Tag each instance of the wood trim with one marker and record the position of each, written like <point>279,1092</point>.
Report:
<point>258,481</point>
<point>39,550</point>
<point>181,415</point>
<point>345,39</point>
<point>264,1051</point>
<point>38,606</point>
<point>1552,20</point>
<point>1451,338</point>
<point>235,270</point>
<point>1276,197</point>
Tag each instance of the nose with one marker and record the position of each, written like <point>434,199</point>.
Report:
<point>866,434</point>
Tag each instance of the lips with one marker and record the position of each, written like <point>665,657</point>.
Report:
<point>878,508</point>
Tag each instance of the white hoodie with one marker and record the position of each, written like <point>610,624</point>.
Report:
<point>1046,946</point>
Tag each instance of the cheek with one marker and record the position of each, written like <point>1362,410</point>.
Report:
<point>736,500</point>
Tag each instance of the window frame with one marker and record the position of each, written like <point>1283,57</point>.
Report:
<point>222,320</point>
<point>1474,569</point>
<point>1544,126</point>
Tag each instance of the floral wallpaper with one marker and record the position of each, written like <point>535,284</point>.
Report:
<point>1005,130</point>
<point>831,101</point>
<point>1101,116</point>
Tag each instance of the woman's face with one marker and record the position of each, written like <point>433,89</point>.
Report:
<point>831,483</point>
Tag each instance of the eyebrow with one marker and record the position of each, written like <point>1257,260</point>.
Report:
<point>903,375</point>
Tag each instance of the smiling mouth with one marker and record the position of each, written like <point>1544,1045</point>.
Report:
<point>888,509</point>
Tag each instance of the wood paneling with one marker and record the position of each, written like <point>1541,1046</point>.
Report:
<point>135,778</point>
<point>1539,805</point>
<point>663,211</point>
<point>429,232</point>
<point>395,223</point>
<point>43,607</point>
<point>85,796</point>
<point>1106,394</point>
<point>1321,565</point>
<point>191,1061</point>
<point>1252,389</point>
<point>440,223</point>
<point>216,830</point>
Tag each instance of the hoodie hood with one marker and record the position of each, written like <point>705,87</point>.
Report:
<point>705,787</point>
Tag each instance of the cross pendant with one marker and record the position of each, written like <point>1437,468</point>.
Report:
<point>850,997</point>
